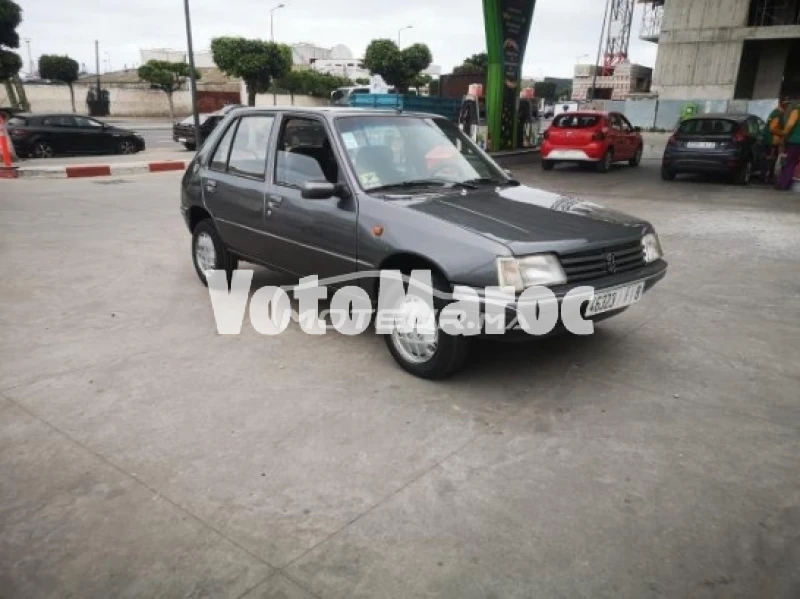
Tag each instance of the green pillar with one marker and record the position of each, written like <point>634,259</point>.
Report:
<point>508,23</point>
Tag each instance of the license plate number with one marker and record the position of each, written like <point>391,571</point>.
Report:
<point>182,140</point>
<point>701,145</point>
<point>614,299</point>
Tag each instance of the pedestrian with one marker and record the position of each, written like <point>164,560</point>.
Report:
<point>791,141</point>
<point>773,138</point>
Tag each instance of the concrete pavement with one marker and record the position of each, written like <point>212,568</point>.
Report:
<point>143,455</point>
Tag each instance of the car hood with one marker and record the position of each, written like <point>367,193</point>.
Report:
<point>529,220</point>
<point>120,131</point>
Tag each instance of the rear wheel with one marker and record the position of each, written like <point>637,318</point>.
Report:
<point>604,165</point>
<point>42,149</point>
<point>548,165</point>
<point>745,173</point>
<point>210,253</point>
<point>637,158</point>
<point>667,174</point>
<point>434,355</point>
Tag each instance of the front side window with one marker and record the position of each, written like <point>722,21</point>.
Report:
<point>304,154</point>
<point>84,122</point>
<point>388,151</point>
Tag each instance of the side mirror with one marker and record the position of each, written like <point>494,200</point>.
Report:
<point>637,129</point>
<point>508,173</point>
<point>318,190</point>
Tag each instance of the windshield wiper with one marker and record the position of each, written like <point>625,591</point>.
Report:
<point>493,181</point>
<point>425,183</point>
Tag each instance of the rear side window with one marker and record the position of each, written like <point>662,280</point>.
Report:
<point>249,150</point>
<point>219,161</point>
<point>707,127</point>
<point>576,121</point>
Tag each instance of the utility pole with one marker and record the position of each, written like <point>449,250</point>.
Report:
<point>272,22</point>
<point>593,90</point>
<point>401,30</point>
<point>31,67</point>
<point>97,65</point>
<point>192,76</point>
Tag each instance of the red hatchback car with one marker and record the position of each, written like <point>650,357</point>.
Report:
<point>602,138</point>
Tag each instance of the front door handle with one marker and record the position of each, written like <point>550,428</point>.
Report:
<point>211,186</point>
<point>274,201</point>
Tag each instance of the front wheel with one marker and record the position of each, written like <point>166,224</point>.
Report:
<point>190,147</point>
<point>42,149</point>
<point>428,355</point>
<point>604,165</point>
<point>548,165</point>
<point>667,174</point>
<point>127,146</point>
<point>210,253</point>
<point>637,158</point>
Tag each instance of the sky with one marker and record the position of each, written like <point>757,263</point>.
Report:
<point>563,31</point>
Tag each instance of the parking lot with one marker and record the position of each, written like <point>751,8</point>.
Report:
<point>143,455</point>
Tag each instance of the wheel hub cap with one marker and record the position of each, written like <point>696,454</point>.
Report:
<point>205,254</point>
<point>411,336</point>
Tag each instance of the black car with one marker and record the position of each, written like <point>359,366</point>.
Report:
<point>345,193</point>
<point>723,144</point>
<point>46,135</point>
<point>183,132</point>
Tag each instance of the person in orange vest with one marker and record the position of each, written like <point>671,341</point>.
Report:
<point>791,141</point>
<point>773,138</point>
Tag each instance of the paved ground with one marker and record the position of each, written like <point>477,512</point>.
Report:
<point>142,455</point>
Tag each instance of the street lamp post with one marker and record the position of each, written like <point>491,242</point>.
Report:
<point>578,59</point>
<point>272,21</point>
<point>192,75</point>
<point>401,30</point>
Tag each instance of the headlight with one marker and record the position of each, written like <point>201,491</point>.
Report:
<point>652,247</point>
<point>521,273</point>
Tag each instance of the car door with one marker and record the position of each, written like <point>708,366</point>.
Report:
<point>93,137</point>
<point>234,184</point>
<point>631,136</point>
<point>62,131</point>
<point>314,237</point>
<point>618,138</point>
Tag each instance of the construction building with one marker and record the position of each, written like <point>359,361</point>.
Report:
<point>617,83</point>
<point>724,49</point>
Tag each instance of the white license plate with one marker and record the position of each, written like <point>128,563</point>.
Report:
<point>701,145</point>
<point>614,299</point>
<point>182,140</point>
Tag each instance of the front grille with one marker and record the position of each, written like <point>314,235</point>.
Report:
<point>602,262</point>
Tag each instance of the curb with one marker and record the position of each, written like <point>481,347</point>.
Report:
<point>101,170</point>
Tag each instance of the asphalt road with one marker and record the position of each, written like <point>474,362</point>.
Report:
<point>143,455</point>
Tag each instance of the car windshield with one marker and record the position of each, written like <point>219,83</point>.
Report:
<point>413,152</point>
<point>189,120</point>
<point>706,127</point>
<point>576,121</point>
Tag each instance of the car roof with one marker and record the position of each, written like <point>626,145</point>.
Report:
<point>737,116</point>
<point>334,111</point>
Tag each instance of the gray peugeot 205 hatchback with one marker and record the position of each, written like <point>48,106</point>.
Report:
<point>338,192</point>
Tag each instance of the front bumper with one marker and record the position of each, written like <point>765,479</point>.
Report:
<point>650,274</point>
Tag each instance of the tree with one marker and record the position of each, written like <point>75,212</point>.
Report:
<point>60,68</point>
<point>545,89</point>
<point>398,68</point>
<point>166,76</point>
<point>10,18</point>
<point>257,62</point>
<point>422,80</point>
<point>362,81</point>
<point>477,64</point>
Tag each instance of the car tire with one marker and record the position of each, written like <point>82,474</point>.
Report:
<point>548,165</point>
<point>190,147</point>
<point>745,173</point>
<point>667,174</point>
<point>42,149</point>
<point>449,354</point>
<point>210,253</point>
<point>604,164</point>
<point>127,147</point>
<point>637,158</point>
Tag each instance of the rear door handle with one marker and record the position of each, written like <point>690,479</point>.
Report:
<point>211,186</point>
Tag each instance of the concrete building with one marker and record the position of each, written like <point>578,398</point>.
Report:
<point>724,49</point>
<point>626,79</point>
